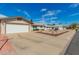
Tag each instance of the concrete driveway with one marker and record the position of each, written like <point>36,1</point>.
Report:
<point>39,44</point>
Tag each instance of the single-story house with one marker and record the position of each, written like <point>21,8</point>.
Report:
<point>14,25</point>
<point>59,27</point>
<point>48,27</point>
<point>38,26</point>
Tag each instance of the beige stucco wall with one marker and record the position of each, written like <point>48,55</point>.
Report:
<point>3,27</point>
<point>14,26</point>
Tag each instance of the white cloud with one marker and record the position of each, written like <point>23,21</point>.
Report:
<point>26,13</point>
<point>3,16</point>
<point>49,13</point>
<point>74,14</point>
<point>44,20</point>
<point>52,20</point>
<point>41,21</point>
<point>44,9</point>
<point>74,5</point>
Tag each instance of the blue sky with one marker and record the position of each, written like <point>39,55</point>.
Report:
<point>64,13</point>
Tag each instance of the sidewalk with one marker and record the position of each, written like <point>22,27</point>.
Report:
<point>5,46</point>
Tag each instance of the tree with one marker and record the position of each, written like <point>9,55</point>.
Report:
<point>74,25</point>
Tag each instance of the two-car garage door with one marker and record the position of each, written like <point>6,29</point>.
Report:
<point>15,28</point>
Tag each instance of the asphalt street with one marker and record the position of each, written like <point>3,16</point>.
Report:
<point>73,48</point>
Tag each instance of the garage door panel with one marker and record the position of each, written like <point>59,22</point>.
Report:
<point>13,28</point>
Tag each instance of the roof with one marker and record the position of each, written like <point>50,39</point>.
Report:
<point>54,25</point>
<point>18,18</point>
<point>37,24</point>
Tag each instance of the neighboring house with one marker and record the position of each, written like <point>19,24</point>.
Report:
<point>48,27</point>
<point>38,26</point>
<point>14,25</point>
<point>59,27</point>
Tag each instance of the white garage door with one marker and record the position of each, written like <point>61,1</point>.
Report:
<point>13,28</point>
